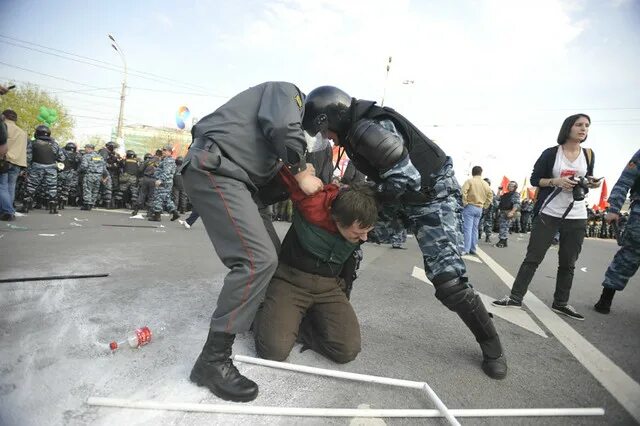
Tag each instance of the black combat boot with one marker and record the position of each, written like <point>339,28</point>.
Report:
<point>135,211</point>
<point>62,203</point>
<point>215,370</point>
<point>26,205</point>
<point>487,239</point>
<point>502,243</point>
<point>459,296</point>
<point>174,215</point>
<point>53,207</point>
<point>604,304</point>
<point>154,217</point>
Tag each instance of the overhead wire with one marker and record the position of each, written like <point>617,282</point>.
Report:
<point>106,65</point>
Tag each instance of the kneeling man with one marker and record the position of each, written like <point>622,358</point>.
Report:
<point>327,228</point>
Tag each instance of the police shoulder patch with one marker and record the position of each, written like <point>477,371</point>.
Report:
<point>298,100</point>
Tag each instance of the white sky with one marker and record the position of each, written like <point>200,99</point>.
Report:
<point>492,80</point>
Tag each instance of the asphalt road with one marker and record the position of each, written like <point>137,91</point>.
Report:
<point>54,334</point>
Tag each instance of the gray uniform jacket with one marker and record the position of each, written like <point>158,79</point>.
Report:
<point>256,128</point>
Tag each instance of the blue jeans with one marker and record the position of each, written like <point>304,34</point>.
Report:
<point>470,219</point>
<point>8,189</point>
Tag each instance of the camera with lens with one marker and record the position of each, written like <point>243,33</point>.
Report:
<point>581,187</point>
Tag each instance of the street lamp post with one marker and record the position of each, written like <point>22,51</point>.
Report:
<point>386,77</point>
<point>118,49</point>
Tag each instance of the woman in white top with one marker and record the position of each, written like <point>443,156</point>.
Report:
<point>559,207</point>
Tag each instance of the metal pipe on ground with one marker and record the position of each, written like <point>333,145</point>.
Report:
<point>353,376</point>
<point>52,277</point>
<point>337,412</point>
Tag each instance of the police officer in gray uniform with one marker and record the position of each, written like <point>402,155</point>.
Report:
<point>164,183</point>
<point>93,166</point>
<point>236,150</point>
<point>627,260</point>
<point>416,183</point>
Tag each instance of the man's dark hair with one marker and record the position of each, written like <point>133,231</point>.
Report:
<point>10,114</point>
<point>158,152</point>
<point>565,130</point>
<point>476,171</point>
<point>355,203</point>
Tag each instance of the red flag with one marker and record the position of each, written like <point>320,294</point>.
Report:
<point>603,204</point>
<point>504,185</point>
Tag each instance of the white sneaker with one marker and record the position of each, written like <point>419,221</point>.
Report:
<point>184,223</point>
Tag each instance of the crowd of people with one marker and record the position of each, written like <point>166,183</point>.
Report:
<point>254,152</point>
<point>40,174</point>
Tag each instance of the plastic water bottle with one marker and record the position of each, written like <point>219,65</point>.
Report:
<point>138,337</point>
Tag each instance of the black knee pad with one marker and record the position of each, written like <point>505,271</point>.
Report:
<point>455,292</point>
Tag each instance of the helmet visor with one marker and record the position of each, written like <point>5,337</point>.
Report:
<point>320,124</point>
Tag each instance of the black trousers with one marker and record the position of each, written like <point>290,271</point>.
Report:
<point>572,233</point>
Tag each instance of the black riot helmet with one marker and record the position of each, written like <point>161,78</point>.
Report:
<point>179,161</point>
<point>131,153</point>
<point>147,156</point>
<point>110,145</point>
<point>42,130</point>
<point>326,108</point>
<point>70,146</point>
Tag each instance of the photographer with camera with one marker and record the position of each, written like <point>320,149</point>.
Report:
<point>559,174</point>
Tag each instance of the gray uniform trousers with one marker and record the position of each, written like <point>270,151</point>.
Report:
<point>238,233</point>
<point>91,187</point>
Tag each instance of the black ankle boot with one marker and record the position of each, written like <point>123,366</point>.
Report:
<point>26,205</point>
<point>501,243</point>
<point>61,203</point>
<point>53,207</point>
<point>135,212</point>
<point>494,363</point>
<point>154,217</point>
<point>487,239</point>
<point>174,215</point>
<point>215,370</point>
<point>604,304</point>
<point>85,207</point>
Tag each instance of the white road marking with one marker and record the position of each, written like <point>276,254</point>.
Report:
<point>623,388</point>
<point>366,421</point>
<point>471,258</point>
<point>518,317</point>
<point>584,269</point>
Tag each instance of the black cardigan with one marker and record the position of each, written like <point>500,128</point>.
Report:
<point>543,169</point>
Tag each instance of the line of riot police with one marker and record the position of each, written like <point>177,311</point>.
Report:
<point>56,178</point>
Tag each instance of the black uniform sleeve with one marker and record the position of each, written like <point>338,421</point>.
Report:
<point>280,118</point>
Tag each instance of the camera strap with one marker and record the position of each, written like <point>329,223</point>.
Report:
<point>551,197</point>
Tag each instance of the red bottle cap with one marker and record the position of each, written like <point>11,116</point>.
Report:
<point>113,346</point>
